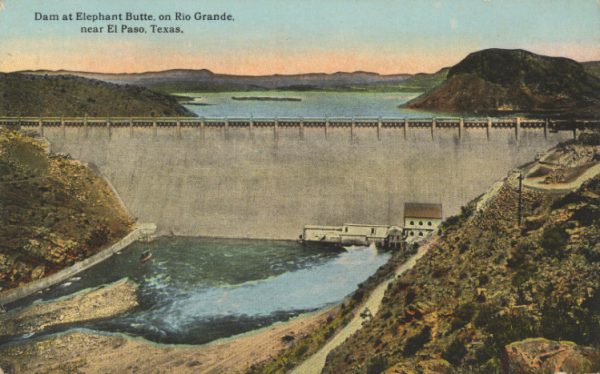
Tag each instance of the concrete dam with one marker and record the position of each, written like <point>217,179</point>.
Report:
<point>252,182</point>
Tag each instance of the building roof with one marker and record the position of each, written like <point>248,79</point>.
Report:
<point>422,210</point>
<point>365,225</point>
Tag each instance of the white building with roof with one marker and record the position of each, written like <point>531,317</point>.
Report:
<point>421,219</point>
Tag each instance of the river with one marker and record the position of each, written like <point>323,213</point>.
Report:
<point>196,290</point>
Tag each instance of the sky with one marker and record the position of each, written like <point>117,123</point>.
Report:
<point>294,36</point>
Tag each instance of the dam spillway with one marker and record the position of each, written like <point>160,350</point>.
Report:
<point>228,181</point>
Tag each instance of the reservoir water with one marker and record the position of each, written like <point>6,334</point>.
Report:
<point>311,104</point>
<point>196,290</point>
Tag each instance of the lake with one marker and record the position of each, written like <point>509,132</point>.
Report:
<point>311,104</point>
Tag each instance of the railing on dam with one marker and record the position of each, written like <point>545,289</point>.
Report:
<point>402,124</point>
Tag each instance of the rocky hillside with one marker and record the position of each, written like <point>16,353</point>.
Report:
<point>53,211</point>
<point>500,80</point>
<point>487,283</point>
<point>32,95</point>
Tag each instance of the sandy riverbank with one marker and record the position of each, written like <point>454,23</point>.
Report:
<point>100,303</point>
<point>90,352</point>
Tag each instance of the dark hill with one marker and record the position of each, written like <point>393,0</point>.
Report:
<point>30,95</point>
<point>513,80</point>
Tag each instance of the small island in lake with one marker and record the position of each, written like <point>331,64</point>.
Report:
<point>266,98</point>
<point>198,103</point>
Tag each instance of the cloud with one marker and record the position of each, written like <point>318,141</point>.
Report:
<point>1,5</point>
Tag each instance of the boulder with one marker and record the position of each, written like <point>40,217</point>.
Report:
<point>539,355</point>
<point>38,272</point>
<point>435,366</point>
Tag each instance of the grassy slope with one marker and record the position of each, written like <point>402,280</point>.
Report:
<point>54,211</point>
<point>28,95</point>
<point>489,283</point>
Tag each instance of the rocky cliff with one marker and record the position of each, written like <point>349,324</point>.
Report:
<point>53,211</point>
<point>488,282</point>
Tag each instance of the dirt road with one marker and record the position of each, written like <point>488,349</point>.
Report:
<point>315,363</point>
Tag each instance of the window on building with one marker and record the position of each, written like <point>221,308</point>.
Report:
<point>420,233</point>
<point>412,233</point>
<point>372,230</point>
<point>346,229</point>
<point>420,223</point>
<point>429,223</point>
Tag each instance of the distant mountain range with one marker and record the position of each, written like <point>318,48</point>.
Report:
<point>502,80</point>
<point>183,80</point>
<point>487,81</point>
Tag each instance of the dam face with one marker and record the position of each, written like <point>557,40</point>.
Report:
<point>231,183</point>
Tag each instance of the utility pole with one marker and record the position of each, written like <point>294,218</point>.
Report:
<point>520,207</point>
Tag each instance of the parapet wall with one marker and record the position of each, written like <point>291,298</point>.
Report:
<point>233,182</point>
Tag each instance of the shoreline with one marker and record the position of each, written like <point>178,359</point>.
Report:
<point>139,232</point>
<point>92,351</point>
<point>91,304</point>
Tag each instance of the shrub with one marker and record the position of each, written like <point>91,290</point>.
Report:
<point>587,215</point>
<point>507,328</point>
<point>99,236</point>
<point>376,365</point>
<point>410,296</point>
<point>416,342</point>
<point>564,320</point>
<point>463,314</point>
<point>570,198</point>
<point>554,239</point>
<point>589,138</point>
<point>518,254</point>
<point>592,254</point>
<point>455,352</point>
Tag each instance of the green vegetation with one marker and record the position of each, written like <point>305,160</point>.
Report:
<point>487,282</point>
<point>423,82</point>
<point>54,211</point>
<point>52,96</point>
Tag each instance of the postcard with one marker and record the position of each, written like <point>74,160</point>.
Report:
<point>386,186</point>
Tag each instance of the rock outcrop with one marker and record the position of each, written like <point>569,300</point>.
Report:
<point>540,355</point>
<point>54,211</point>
